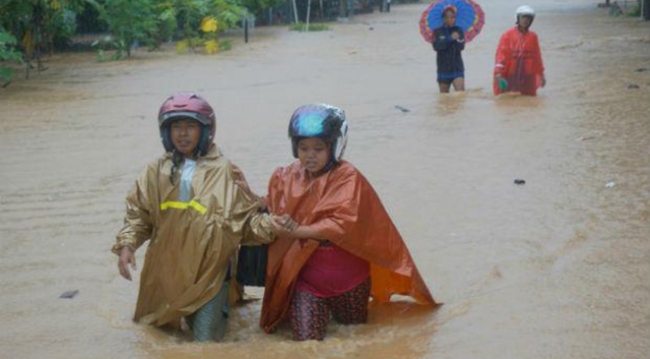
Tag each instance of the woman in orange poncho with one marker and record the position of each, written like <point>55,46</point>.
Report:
<point>342,248</point>
<point>519,66</point>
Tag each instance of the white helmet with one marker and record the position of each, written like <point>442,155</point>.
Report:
<point>525,10</point>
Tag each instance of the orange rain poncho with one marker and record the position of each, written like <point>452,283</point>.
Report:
<point>191,243</point>
<point>519,61</point>
<point>342,205</point>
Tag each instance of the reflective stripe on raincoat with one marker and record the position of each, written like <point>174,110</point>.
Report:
<point>191,242</point>
<point>519,61</point>
<point>342,205</point>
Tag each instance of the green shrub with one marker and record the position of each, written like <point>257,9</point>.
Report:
<point>634,12</point>
<point>119,47</point>
<point>225,45</point>
<point>8,54</point>
<point>312,27</point>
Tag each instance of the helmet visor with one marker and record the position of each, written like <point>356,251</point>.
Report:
<point>311,121</point>
<point>177,115</point>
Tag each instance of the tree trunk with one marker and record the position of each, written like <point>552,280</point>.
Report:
<point>322,13</point>
<point>308,15</point>
<point>295,11</point>
<point>343,8</point>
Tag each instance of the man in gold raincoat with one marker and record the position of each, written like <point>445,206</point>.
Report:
<point>195,217</point>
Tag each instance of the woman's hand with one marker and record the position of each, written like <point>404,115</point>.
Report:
<point>286,222</point>
<point>284,226</point>
<point>127,258</point>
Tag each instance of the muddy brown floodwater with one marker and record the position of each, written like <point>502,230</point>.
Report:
<point>556,268</point>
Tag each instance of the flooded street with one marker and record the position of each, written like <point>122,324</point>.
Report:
<point>556,268</point>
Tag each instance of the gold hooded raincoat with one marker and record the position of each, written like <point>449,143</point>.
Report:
<point>191,243</point>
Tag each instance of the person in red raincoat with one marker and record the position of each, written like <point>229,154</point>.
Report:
<point>341,248</point>
<point>519,66</point>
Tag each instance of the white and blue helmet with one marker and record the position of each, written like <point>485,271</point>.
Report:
<point>322,121</point>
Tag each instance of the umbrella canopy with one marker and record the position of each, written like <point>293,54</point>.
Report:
<point>469,17</point>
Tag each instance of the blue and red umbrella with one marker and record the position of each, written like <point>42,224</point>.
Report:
<point>469,17</point>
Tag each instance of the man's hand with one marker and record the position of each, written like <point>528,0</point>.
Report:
<point>240,180</point>
<point>127,258</point>
<point>455,35</point>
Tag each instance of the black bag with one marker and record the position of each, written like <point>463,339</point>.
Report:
<point>251,265</point>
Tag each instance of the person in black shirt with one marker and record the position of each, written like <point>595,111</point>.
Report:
<point>448,42</point>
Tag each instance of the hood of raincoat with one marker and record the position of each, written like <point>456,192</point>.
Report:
<point>342,204</point>
<point>191,243</point>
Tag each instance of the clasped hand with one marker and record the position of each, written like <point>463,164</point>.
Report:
<point>283,225</point>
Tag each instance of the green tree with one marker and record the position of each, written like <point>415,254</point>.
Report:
<point>190,13</point>
<point>130,21</point>
<point>229,13</point>
<point>8,54</point>
<point>38,25</point>
<point>258,7</point>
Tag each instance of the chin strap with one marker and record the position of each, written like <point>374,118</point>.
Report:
<point>330,166</point>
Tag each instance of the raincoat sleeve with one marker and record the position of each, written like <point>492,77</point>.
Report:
<point>460,45</point>
<point>246,215</point>
<point>538,56</point>
<point>138,223</point>
<point>354,219</point>
<point>501,56</point>
<point>440,42</point>
<point>341,210</point>
<point>258,230</point>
